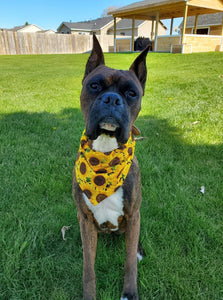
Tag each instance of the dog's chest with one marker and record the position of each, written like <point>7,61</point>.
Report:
<point>111,208</point>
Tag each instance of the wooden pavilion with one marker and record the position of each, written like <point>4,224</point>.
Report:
<point>156,10</point>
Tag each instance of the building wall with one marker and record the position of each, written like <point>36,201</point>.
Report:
<point>78,32</point>
<point>213,30</point>
<point>203,43</point>
<point>146,28</point>
<point>188,31</point>
<point>123,44</point>
<point>143,30</point>
<point>193,43</point>
<point>106,28</point>
<point>65,30</point>
<point>50,32</point>
<point>30,28</point>
<point>127,32</point>
<point>164,42</point>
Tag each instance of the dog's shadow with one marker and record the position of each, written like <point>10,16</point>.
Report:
<point>38,151</point>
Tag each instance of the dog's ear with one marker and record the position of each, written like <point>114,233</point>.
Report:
<point>139,67</point>
<point>96,58</point>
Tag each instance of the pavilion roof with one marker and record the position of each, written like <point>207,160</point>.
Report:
<point>147,9</point>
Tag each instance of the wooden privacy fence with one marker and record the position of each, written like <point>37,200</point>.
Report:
<point>41,43</point>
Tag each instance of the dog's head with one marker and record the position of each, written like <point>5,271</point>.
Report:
<point>110,98</point>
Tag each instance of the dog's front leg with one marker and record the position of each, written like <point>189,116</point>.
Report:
<point>89,243</point>
<point>132,239</point>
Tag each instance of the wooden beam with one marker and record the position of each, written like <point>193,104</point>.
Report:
<point>171,26</point>
<point>156,30</point>
<point>133,34</point>
<point>157,23</point>
<point>195,24</point>
<point>184,23</point>
<point>217,4</point>
<point>115,34</point>
<point>152,30</point>
<point>222,26</point>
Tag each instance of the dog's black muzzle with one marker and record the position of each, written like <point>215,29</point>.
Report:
<point>109,114</point>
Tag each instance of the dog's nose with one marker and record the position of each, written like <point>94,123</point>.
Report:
<point>113,99</point>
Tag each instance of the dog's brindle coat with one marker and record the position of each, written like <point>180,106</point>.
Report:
<point>111,99</point>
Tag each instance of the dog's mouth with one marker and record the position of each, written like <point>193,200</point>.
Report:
<point>109,126</point>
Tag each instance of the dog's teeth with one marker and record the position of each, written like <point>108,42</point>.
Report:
<point>108,126</point>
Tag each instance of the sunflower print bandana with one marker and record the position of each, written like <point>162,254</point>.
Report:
<point>99,174</point>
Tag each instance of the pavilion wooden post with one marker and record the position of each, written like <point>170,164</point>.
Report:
<point>171,27</point>
<point>195,24</point>
<point>114,34</point>
<point>222,26</point>
<point>184,23</point>
<point>156,30</point>
<point>152,30</point>
<point>133,34</point>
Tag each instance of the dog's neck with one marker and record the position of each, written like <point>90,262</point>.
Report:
<point>104,143</point>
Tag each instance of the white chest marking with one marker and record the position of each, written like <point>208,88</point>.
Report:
<point>105,143</point>
<point>109,209</point>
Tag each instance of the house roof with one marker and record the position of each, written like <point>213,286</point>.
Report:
<point>127,24</point>
<point>205,20</point>
<point>147,9</point>
<point>91,25</point>
<point>18,28</point>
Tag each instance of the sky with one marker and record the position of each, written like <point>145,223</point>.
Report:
<point>49,14</point>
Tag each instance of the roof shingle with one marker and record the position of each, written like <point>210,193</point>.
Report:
<point>89,25</point>
<point>204,20</point>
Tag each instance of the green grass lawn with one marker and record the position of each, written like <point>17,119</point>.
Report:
<point>181,228</point>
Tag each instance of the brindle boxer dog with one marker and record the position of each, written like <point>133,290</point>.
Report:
<point>106,181</point>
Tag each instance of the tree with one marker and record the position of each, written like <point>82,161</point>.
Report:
<point>107,10</point>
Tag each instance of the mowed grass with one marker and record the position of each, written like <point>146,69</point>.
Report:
<point>181,228</point>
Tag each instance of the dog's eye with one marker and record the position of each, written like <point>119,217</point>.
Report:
<point>131,94</point>
<point>94,86</point>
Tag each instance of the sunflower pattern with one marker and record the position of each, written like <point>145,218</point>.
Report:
<point>101,174</point>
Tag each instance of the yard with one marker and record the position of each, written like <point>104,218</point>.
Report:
<point>182,150</point>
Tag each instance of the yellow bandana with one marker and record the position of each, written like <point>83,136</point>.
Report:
<point>101,174</point>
